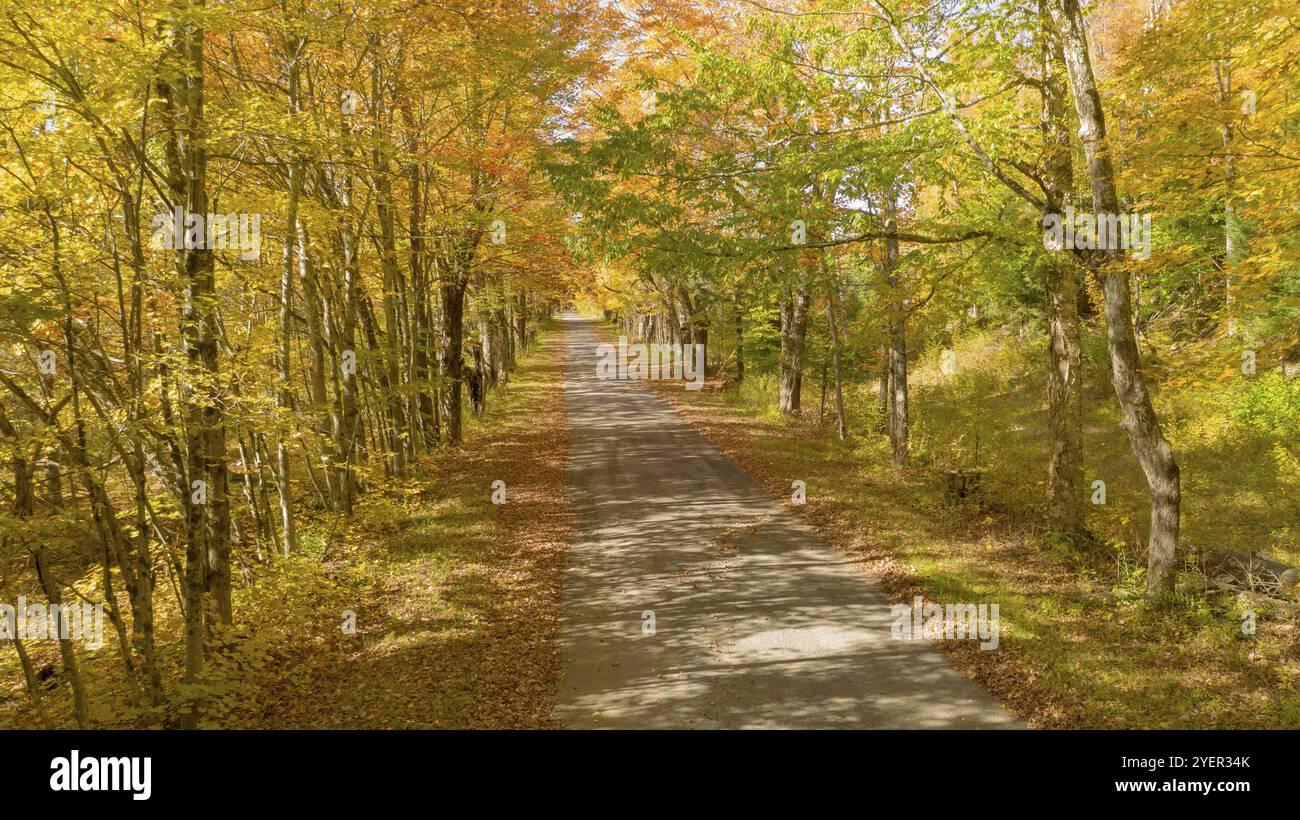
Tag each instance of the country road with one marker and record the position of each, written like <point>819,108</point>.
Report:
<point>757,622</point>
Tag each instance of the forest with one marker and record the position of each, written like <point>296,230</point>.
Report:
<point>303,421</point>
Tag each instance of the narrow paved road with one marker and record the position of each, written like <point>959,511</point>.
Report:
<point>757,621</point>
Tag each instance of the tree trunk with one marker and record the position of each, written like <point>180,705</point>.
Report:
<point>70,666</point>
<point>1232,239</point>
<point>882,424</point>
<point>841,426</point>
<point>206,415</point>
<point>452,295</point>
<point>521,323</point>
<point>1065,506</point>
<point>316,360</point>
<point>898,394</point>
<point>740,341</point>
<point>24,506</point>
<point>284,397</point>
<point>1065,404</point>
<point>180,166</point>
<point>898,390</point>
<point>1147,441</point>
<point>347,427</point>
<point>393,285</point>
<point>794,327</point>
<point>421,335</point>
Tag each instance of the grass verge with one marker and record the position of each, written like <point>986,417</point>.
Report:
<point>1078,647</point>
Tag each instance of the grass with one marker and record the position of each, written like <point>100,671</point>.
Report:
<point>1079,647</point>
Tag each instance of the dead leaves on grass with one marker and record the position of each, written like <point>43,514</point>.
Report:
<point>462,631</point>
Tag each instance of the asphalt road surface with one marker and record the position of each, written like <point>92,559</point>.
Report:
<point>757,622</point>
